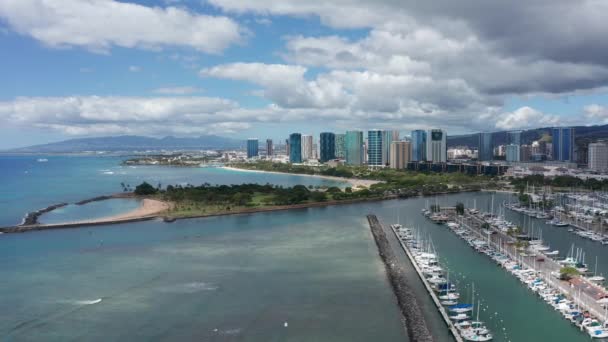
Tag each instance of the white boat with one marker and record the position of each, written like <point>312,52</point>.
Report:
<point>552,253</point>
<point>594,328</point>
<point>459,317</point>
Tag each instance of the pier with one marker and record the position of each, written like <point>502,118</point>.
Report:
<point>580,290</point>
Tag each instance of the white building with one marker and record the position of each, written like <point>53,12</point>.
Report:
<point>307,147</point>
<point>598,156</point>
<point>436,146</point>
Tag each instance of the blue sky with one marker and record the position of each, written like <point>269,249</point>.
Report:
<point>266,68</point>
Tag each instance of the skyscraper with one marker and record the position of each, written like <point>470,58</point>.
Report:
<point>354,147</point>
<point>563,144</point>
<point>525,153</point>
<point>374,148</point>
<point>400,154</point>
<point>340,146</point>
<point>327,143</point>
<point>436,149</point>
<point>388,137</point>
<point>287,147</point>
<point>252,148</point>
<point>512,153</point>
<point>485,147</point>
<point>514,138</point>
<point>598,156</point>
<point>269,148</point>
<point>295,148</point>
<point>307,148</point>
<point>418,145</point>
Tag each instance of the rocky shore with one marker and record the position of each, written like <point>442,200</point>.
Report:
<point>31,218</point>
<point>415,324</point>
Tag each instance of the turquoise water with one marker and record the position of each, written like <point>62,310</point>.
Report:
<point>237,278</point>
<point>90,211</point>
<point>27,185</point>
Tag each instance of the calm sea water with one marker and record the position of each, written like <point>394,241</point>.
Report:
<point>27,185</point>
<point>240,278</point>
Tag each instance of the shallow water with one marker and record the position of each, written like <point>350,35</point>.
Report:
<point>90,211</point>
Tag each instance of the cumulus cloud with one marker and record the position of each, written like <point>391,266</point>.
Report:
<point>596,114</point>
<point>134,68</point>
<point>187,90</point>
<point>526,117</point>
<point>98,25</point>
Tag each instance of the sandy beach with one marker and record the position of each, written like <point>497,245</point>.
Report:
<point>148,207</point>
<point>355,183</point>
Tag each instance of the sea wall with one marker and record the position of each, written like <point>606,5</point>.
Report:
<point>32,217</point>
<point>415,324</point>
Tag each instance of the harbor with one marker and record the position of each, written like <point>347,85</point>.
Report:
<point>580,300</point>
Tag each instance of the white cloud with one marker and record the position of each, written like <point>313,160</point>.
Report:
<point>597,114</point>
<point>187,90</point>
<point>134,68</point>
<point>526,117</point>
<point>98,25</point>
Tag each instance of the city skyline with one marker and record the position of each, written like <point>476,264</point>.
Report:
<point>254,68</point>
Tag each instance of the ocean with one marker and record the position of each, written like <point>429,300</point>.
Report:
<point>303,275</point>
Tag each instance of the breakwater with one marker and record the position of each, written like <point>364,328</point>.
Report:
<point>415,324</point>
<point>31,218</point>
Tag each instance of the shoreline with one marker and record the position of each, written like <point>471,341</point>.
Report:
<point>354,182</point>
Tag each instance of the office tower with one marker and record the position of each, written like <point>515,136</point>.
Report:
<point>374,148</point>
<point>598,156</point>
<point>563,144</point>
<point>512,153</point>
<point>436,142</point>
<point>525,153</point>
<point>307,147</point>
<point>418,145</point>
<point>295,148</point>
<point>327,142</point>
<point>485,147</point>
<point>514,138</point>
<point>388,137</point>
<point>400,154</point>
<point>287,147</point>
<point>269,148</point>
<point>354,147</point>
<point>340,148</point>
<point>252,148</point>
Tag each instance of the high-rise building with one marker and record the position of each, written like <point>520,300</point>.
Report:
<point>295,148</point>
<point>598,156</point>
<point>401,152</point>
<point>512,153</point>
<point>269,148</point>
<point>307,148</point>
<point>485,147</point>
<point>418,145</point>
<point>436,146</point>
<point>252,148</point>
<point>514,138</point>
<point>525,153</point>
<point>388,137</point>
<point>374,148</point>
<point>340,146</point>
<point>287,147</point>
<point>327,143</point>
<point>563,144</point>
<point>354,147</point>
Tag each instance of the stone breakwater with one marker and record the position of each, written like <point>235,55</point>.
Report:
<point>415,324</point>
<point>31,218</point>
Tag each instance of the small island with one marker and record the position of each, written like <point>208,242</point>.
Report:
<point>176,159</point>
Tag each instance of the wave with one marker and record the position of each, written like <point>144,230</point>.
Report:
<point>192,287</point>
<point>87,302</point>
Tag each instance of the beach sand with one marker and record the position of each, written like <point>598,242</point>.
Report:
<point>354,183</point>
<point>148,207</point>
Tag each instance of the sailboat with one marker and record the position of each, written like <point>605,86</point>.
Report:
<point>596,278</point>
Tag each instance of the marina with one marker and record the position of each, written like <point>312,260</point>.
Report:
<point>579,301</point>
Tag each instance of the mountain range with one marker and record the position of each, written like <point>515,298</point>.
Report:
<point>133,143</point>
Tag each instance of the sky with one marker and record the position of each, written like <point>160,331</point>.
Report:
<point>266,68</point>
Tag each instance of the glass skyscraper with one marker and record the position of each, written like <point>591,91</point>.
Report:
<point>252,148</point>
<point>374,148</point>
<point>354,147</point>
<point>485,148</point>
<point>295,148</point>
<point>387,138</point>
<point>340,148</point>
<point>418,145</point>
<point>563,144</point>
<point>514,138</point>
<point>436,146</point>
<point>327,143</point>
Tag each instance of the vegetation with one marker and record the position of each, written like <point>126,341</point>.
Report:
<point>460,208</point>
<point>568,272</point>
<point>559,182</point>
<point>145,189</point>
